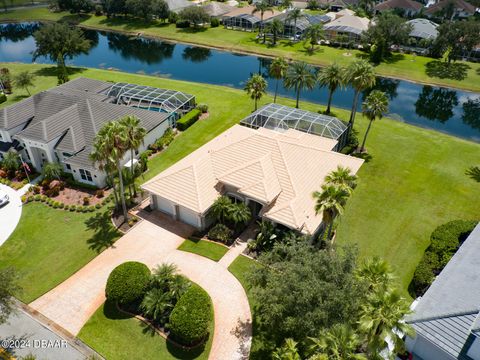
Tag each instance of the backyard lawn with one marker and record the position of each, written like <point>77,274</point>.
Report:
<point>116,335</point>
<point>413,182</point>
<point>399,66</point>
<point>208,249</point>
<point>49,245</point>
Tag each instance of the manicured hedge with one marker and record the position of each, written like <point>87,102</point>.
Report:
<point>191,317</point>
<point>188,119</point>
<point>127,283</point>
<point>3,97</point>
<point>444,242</point>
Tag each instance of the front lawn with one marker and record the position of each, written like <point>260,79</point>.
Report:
<point>49,245</point>
<point>208,249</point>
<point>116,335</point>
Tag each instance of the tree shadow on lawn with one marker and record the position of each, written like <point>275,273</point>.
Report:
<point>193,30</point>
<point>130,23</point>
<point>444,70</point>
<point>52,71</point>
<point>111,312</point>
<point>180,353</point>
<point>74,18</point>
<point>105,234</point>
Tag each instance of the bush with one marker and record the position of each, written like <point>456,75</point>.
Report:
<point>191,316</point>
<point>214,22</point>
<point>172,17</point>
<point>37,197</point>
<point>3,97</point>
<point>98,206</point>
<point>91,208</point>
<point>203,108</point>
<point>43,198</point>
<point>61,205</point>
<point>182,24</point>
<point>220,232</point>
<point>98,10</point>
<point>73,208</point>
<point>36,189</point>
<point>66,207</point>
<point>127,283</point>
<point>30,198</point>
<point>86,201</point>
<point>99,193</point>
<point>188,119</point>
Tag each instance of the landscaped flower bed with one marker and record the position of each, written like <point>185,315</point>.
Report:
<point>60,205</point>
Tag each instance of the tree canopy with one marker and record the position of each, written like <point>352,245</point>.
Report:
<point>194,15</point>
<point>456,38</point>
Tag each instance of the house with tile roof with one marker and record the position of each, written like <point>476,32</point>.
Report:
<point>273,170</point>
<point>447,317</point>
<point>408,7</point>
<point>59,125</point>
<point>461,9</point>
<point>346,27</point>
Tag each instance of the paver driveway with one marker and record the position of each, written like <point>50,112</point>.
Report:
<point>9,214</point>
<point>153,241</point>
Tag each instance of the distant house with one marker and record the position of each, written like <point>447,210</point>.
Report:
<point>461,9</point>
<point>244,18</point>
<point>297,29</point>
<point>217,9</point>
<point>447,317</point>
<point>177,5</point>
<point>346,27</point>
<point>409,8</point>
<point>423,29</point>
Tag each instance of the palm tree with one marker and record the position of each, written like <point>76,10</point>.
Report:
<point>376,273</point>
<point>474,173</point>
<point>288,351</point>
<point>361,76</point>
<point>285,4</point>
<point>343,178</point>
<point>314,34</point>
<point>220,209</point>
<point>330,202</point>
<point>163,275</point>
<point>381,318</point>
<point>262,7</point>
<point>339,342</point>
<point>239,214</point>
<point>299,76</point>
<point>24,80</point>
<point>11,160</point>
<point>275,27</point>
<point>331,77</point>
<point>375,105</point>
<point>256,87</point>
<point>157,304</point>
<point>135,135</point>
<point>294,15</point>
<point>52,170</point>
<point>277,70</point>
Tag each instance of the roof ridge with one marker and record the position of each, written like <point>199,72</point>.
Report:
<point>195,178</point>
<point>443,316</point>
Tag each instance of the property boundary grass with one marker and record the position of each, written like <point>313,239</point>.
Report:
<point>204,248</point>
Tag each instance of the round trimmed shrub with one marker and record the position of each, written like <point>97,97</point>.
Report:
<point>128,282</point>
<point>190,319</point>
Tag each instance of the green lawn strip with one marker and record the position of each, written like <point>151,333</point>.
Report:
<point>204,248</point>
<point>116,335</point>
<point>414,181</point>
<point>403,66</point>
<point>49,245</point>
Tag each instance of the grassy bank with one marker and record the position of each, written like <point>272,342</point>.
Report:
<point>409,67</point>
<point>413,182</point>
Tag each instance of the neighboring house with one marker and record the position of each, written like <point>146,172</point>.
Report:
<point>297,30</point>
<point>338,5</point>
<point>216,9</point>
<point>59,125</point>
<point>346,27</point>
<point>447,316</point>
<point>177,5</point>
<point>423,29</point>
<point>267,164</point>
<point>244,19</point>
<point>408,8</point>
<point>461,9</point>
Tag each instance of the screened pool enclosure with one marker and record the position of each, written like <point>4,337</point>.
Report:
<point>281,118</point>
<point>150,98</point>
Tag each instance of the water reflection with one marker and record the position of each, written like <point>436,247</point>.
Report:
<point>471,113</point>
<point>196,54</point>
<point>388,86</point>
<point>17,32</point>
<point>436,104</point>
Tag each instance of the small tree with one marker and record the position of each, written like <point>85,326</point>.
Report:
<point>52,171</point>
<point>24,80</point>
<point>11,160</point>
<point>220,209</point>
<point>275,28</point>
<point>299,76</point>
<point>194,15</point>
<point>343,178</point>
<point>239,213</point>
<point>374,107</point>
<point>160,9</point>
<point>330,202</point>
<point>313,35</point>
<point>262,7</point>
<point>256,87</point>
<point>6,80</point>
<point>294,15</point>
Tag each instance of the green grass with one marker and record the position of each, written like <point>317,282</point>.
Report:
<point>116,335</point>
<point>204,248</point>
<point>49,245</point>
<point>399,66</point>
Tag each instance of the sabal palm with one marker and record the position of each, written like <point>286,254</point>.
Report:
<point>381,317</point>
<point>11,160</point>
<point>314,34</point>
<point>299,76</point>
<point>331,77</point>
<point>277,70</point>
<point>239,213</point>
<point>376,273</point>
<point>294,16</point>
<point>343,178</point>
<point>339,342</point>
<point>256,87</point>
<point>374,107</point>
<point>275,27</point>
<point>288,351</point>
<point>220,209</point>
<point>157,304</point>
<point>135,135</point>
<point>361,76</point>
<point>262,7</point>
<point>330,202</point>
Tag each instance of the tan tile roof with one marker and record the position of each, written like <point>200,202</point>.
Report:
<point>279,169</point>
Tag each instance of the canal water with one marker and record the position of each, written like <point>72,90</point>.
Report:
<point>448,110</point>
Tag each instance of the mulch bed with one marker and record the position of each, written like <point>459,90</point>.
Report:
<point>75,196</point>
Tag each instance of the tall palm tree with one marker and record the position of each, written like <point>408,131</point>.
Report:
<point>288,351</point>
<point>220,209</point>
<point>277,70</point>
<point>376,273</point>
<point>330,202</point>
<point>343,178</point>
<point>361,76</point>
<point>374,107</point>
<point>339,342</point>
<point>256,87</point>
<point>331,77</point>
<point>135,135</point>
<point>276,28</point>
<point>294,15</point>
<point>262,7</point>
<point>299,76</point>
<point>381,318</point>
<point>314,34</point>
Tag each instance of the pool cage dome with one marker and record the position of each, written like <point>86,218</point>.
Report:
<point>151,98</point>
<point>281,118</point>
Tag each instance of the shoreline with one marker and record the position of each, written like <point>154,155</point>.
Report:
<point>239,51</point>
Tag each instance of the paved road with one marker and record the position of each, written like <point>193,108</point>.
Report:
<point>9,214</point>
<point>25,335</point>
<point>154,241</point>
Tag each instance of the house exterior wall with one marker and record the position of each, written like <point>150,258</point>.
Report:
<point>98,177</point>
<point>425,349</point>
<point>189,217</point>
<point>474,351</point>
<point>178,212</point>
<point>153,135</point>
<point>163,205</point>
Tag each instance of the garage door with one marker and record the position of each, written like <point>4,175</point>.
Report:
<point>188,217</point>
<point>164,205</point>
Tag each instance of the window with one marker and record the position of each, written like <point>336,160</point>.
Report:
<point>86,175</point>
<point>67,155</point>
<point>68,166</point>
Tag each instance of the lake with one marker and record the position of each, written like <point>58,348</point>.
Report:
<point>451,111</point>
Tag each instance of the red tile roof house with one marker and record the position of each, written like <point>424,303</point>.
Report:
<point>408,7</point>
<point>462,9</point>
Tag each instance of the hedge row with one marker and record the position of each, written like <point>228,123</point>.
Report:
<point>127,283</point>
<point>188,119</point>
<point>444,242</point>
<point>13,185</point>
<point>59,205</point>
<point>190,319</point>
